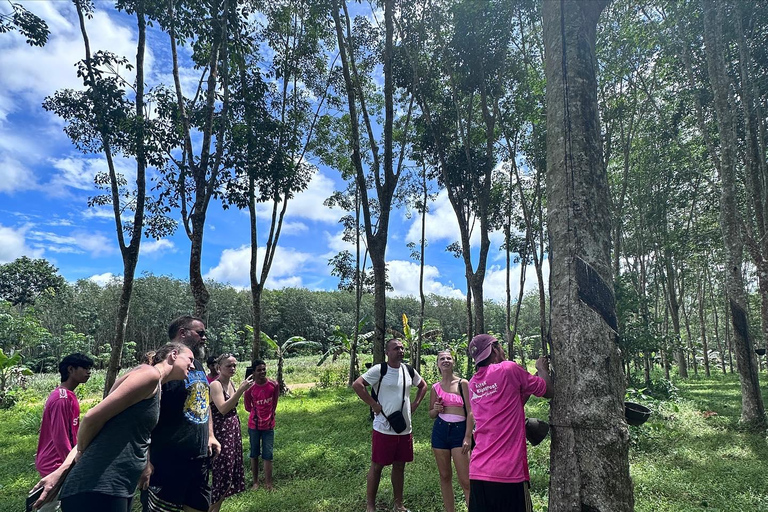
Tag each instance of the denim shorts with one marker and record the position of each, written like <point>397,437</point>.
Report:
<point>447,435</point>
<point>264,439</point>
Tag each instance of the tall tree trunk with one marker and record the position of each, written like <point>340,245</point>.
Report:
<point>721,347</point>
<point>196,281</point>
<point>353,370</point>
<point>703,326</point>
<point>756,169</point>
<point>691,348</point>
<point>752,408</point>
<point>253,272</point>
<point>728,339</point>
<point>129,251</point>
<point>422,254</point>
<point>674,311</point>
<point>590,439</point>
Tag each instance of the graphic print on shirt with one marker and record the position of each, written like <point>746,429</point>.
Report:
<point>483,389</point>
<point>196,408</point>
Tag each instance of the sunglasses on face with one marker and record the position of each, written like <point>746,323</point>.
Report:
<point>200,332</point>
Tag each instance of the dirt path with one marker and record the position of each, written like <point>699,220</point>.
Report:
<point>301,385</point>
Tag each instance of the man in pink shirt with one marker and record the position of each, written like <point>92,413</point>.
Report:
<point>261,403</point>
<point>61,417</point>
<point>498,468</point>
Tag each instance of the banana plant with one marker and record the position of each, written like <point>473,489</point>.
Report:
<point>343,343</point>
<point>11,368</point>
<point>291,343</point>
<point>410,337</point>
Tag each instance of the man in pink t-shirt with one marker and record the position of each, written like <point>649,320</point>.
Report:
<point>498,468</point>
<point>61,417</point>
<point>261,403</point>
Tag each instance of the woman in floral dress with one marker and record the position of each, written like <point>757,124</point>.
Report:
<point>228,472</point>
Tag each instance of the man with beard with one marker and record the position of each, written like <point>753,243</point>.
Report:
<point>390,446</point>
<point>182,442</point>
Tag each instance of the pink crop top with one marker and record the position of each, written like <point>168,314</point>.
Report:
<point>449,399</point>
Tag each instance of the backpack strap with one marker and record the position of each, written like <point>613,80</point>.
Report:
<point>461,393</point>
<point>382,372</point>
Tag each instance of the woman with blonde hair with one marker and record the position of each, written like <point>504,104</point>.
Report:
<point>452,431</point>
<point>227,469</point>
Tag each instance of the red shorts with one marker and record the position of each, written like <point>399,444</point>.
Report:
<point>388,448</point>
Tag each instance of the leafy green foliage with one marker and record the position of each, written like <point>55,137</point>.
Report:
<point>34,28</point>
<point>25,279</point>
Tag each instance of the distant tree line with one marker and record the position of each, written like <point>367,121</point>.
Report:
<point>81,316</point>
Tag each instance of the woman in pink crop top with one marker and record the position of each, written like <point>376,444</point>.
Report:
<point>452,431</point>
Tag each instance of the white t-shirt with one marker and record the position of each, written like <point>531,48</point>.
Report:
<point>390,395</point>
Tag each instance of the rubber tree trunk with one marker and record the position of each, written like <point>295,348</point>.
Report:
<point>590,441</point>
<point>752,408</point>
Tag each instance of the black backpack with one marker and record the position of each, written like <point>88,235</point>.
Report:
<point>383,370</point>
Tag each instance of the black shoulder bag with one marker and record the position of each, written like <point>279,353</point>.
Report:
<point>396,419</point>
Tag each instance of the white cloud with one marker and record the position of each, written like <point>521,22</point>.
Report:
<point>404,277</point>
<point>78,173</point>
<point>39,72</point>
<point>293,228</point>
<point>14,175</point>
<point>441,224</point>
<point>234,267</point>
<point>336,243</point>
<point>102,279</point>
<point>99,212</point>
<point>494,287</point>
<point>158,246</point>
<point>78,242</point>
<point>309,203</point>
<point>13,244</point>
<point>34,135</point>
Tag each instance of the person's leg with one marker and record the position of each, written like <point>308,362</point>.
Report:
<point>268,445</point>
<point>197,496</point>
<point>254,438</point>
<point>443,459</point>
<point>216,507</point>
<point>398,479</point>
<point>255,473</point>
<point>372,486</point>
<point>461,461</point>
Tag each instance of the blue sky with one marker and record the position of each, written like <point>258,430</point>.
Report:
<point>45,183</point>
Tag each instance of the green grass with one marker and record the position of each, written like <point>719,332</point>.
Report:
<point>680,460</point>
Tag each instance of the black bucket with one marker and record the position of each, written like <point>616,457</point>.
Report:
<point>636,414</point>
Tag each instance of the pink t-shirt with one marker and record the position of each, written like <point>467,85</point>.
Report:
<point>261,402</point>
<point>58,430</point>
<point>497,393</point>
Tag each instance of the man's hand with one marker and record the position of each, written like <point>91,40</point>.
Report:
<point>214,447</point>
<point>414,405</point>
<point>144,478</point>
<point>542,365</point>
<point>376,408</point>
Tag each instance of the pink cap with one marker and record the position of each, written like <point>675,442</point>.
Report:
<point>480,347</point>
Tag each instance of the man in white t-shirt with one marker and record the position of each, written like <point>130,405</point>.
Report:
<point>393,394</point>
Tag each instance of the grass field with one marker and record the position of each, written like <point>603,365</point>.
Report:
<point>692,455</point>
